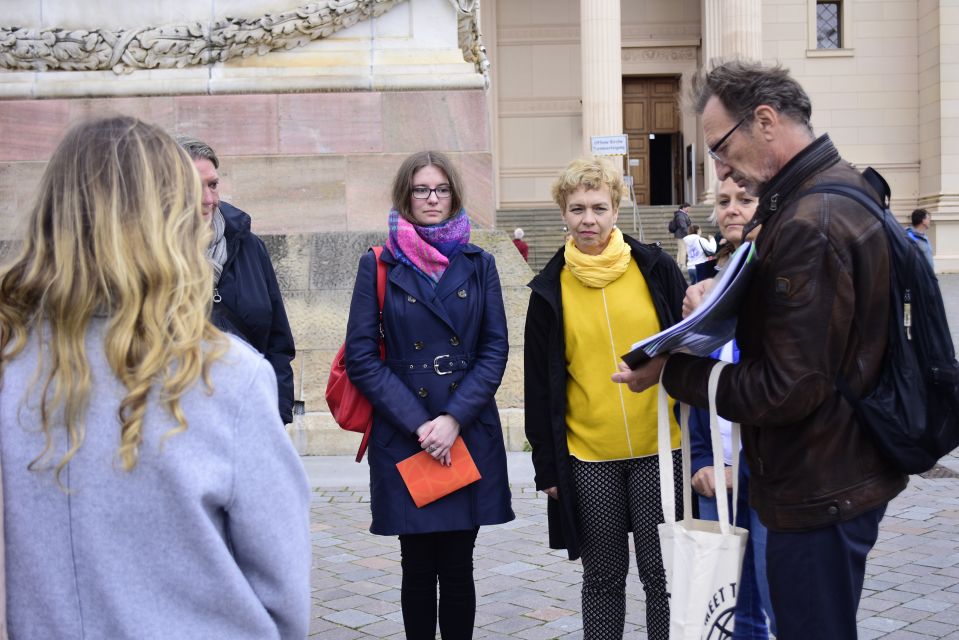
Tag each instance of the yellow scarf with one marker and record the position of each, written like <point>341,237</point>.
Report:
<point>599,271</point>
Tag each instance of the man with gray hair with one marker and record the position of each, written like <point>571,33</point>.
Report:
<point>246,297</point>
<point>817,308</point>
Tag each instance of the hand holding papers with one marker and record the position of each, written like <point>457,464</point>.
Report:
<point>710,325</point>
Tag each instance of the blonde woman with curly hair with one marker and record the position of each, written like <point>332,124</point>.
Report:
<point>594,443</point>
<point>150,490</point>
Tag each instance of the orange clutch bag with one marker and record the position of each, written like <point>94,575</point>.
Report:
<point>428,480</point>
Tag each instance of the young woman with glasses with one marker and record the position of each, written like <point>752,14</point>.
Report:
<point>444,327</point>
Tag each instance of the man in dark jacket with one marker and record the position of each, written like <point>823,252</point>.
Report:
<point>817,308</point>
<point>246,296</point>
<point>679,227</point>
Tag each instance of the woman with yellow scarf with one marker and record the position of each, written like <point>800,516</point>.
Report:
<point>594,443</point>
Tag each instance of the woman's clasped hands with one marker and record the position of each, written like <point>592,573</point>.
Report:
<point>437,436</point>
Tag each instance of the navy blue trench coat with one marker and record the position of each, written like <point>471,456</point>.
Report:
<point>446,351</point>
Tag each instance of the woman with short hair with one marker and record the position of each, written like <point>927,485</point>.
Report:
<point>595,444</point>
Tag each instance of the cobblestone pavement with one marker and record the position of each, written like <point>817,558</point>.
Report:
<point>526,591</point>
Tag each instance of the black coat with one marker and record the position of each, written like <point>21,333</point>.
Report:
<point>250,304</point>
<point>545,377</point>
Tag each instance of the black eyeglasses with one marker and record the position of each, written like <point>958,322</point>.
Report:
<point>714,150</point>
<point>442,191</point>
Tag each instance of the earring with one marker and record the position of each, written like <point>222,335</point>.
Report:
<point>565,229</point>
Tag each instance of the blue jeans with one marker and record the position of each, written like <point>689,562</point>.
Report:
<point>816,577</point>
<point>752,600</point>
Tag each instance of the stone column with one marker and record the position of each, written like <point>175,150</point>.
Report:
<point>742,29</point>
<point>712,48</point>
<point>938,131</point>
<point>600,52</point>
<point>731,29</point>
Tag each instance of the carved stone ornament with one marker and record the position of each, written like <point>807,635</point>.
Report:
<point>659,54</point>
<point>470,38</point>
<point>177,46</point>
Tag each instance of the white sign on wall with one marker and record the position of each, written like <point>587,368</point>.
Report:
<point>609,145</point>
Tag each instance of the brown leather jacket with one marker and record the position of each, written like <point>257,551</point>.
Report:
<point>817,306</point>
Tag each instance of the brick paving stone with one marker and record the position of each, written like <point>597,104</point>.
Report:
<point>921,567</point>
<point>380,563</point>
<point>512,625</point>
<point>927,604</point>
<point>949,616</point>
<point>902,634</point>
<point>351,602</point>
<point>894,596</point>
<point>550,613</point>
<point>936,580</point>
<point>390,596</point>
<point>931,628</point>
<point>945,596</point>
<point>366,588</point>
<point>352,618</point>
<point>906,614</point>
<point>892,577</point>
<point>338,633</point>
<point>916,586</point>
<point>881,623</point>
<point>513,568</point>
<point>384,629</point>
<point>536,633</point>
<point>875,605</point>
<point>329,595</point>
<point>568,624</point>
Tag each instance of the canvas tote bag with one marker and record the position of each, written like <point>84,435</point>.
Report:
<point>703,559</point>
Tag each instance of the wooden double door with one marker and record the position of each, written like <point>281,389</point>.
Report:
<point>651,120</point>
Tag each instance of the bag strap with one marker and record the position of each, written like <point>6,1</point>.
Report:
<point>380,297</point>
<point>380,275</point>
<point>719,463</point>
<point>380,289</point>
<point>862,198</point>
<point>666,484</point>
<point>667,489</point>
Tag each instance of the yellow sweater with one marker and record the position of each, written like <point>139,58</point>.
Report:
<point>605,420</point>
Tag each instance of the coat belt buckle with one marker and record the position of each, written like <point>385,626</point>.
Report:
<point>436,365</point>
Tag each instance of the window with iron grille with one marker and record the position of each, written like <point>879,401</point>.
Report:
<point>828,25</point>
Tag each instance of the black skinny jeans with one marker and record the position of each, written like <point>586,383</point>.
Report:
<point>447,557</point>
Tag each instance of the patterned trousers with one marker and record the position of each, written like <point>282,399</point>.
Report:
<point>615,498</point>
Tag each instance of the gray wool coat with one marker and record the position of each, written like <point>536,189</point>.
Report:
<point>207,537</point>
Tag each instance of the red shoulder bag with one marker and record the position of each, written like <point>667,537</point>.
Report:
<point>350,408</point>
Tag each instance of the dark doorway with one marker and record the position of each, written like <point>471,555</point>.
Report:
<point>650,107</point>
<point>661,169</point>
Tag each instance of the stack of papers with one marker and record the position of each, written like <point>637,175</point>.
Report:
<point>709,326</point>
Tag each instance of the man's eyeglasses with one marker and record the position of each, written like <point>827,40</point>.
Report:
<point>442,191</point>
<point>714,150</point>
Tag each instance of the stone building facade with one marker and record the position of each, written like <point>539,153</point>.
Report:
<point>312,107</point>
<point>883,76</point>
